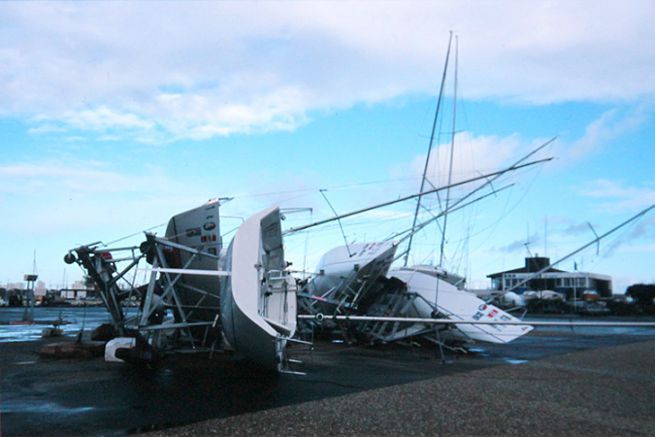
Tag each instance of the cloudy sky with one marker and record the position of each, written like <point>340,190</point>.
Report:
<point>116,115</point>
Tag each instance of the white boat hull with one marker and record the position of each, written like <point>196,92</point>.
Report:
<point>347,273</point>
<point>258,298</point>
<point>457,304</point>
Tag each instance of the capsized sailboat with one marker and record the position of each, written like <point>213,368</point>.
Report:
<point>258,298</point>
<point>436,296</point>
<point>358,281</point>
<point>348,274</point>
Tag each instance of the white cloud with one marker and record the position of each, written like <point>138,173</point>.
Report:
<point>522,245</point>
<point>74,197</point>
<point>473,155</point>
<point>615,196</point>
<point>77,177</point>
<point>606,128</point>
<point>231,67</point>
<point>638,238</point>
<point>575,229</point>
<point>179,116</point>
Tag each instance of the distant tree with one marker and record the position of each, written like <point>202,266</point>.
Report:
<point>643,294</point>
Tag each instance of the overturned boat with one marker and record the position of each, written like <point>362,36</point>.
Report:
<point>197,229</point>
<point>348,277</point>
<point>258,297</point>
<point>433,296</point>
<point>199,297</point>
<point>357,281</point>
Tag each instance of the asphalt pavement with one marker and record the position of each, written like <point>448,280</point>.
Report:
<point>502,389</point>
<point>600,392</point>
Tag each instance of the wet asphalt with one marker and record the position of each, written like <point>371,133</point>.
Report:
<point>92,397</point>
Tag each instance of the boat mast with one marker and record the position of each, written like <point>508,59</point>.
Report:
<point>458,204</point>
<point>450,176</point>
<point>452,153</point>
<point>427,157</point>
<point>413,196</point>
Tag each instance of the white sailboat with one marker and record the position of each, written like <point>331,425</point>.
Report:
<point>437,296</point>
<point>258,298</point>
<point>347,274</point>
<point>422,292</point>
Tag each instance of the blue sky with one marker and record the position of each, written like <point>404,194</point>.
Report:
<point>114,118</point>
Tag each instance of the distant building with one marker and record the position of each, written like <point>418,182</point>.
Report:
<point>72,294</point>
<point>79,285</point>
<point>81,289</point>
<point>569,283</point>
<point>40,289</point>
<point>15,285</point>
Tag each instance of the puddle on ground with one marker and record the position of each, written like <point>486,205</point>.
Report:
<point>478,351</point>
<point>41,408</point>
<point>514,361</point>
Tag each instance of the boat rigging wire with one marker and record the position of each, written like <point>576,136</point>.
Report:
<point>343,234</point>
<point>133,235</point>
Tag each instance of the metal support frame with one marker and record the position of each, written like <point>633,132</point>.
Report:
<point>160,293</point>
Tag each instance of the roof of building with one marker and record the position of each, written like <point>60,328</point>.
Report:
<point>533,264</point>
<point>524,270</point>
